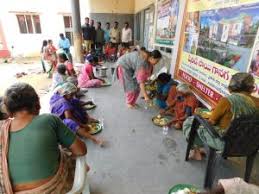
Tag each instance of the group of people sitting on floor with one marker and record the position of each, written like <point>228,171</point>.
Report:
<point>179,102</point>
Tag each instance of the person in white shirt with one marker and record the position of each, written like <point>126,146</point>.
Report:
<point>126,37</point>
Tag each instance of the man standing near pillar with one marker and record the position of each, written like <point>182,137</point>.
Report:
<point>87,35</point>
<point>93,35</point>
<point>115,35</point>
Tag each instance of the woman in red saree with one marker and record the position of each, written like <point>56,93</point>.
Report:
<point>182,104</point>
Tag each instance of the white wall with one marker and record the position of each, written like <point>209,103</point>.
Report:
<point>51,23</point>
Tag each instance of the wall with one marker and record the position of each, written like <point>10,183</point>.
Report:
<point>4,52</point>
<point>142,4</point>
<point>112,10</point>
<point>112,6</point>
<point>51,24</point>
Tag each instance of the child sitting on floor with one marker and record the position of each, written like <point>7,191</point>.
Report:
<point>63,59</point>
<point>164,83</point>
<point>182,106</point>
<point>59,77</point>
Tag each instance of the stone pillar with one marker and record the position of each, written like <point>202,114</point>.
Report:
<point>77,34</point>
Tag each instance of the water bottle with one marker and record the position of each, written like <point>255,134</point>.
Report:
<point>92,99</point>
<point>165,130</point>
<point>146,106</point>
<point>101,120</point>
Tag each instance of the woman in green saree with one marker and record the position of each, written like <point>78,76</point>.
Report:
<point>239,102</point>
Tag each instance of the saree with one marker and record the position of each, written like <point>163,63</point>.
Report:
<point>59,105</point>
<point>133,70</point>
<point>59,184</point>
<point>84,80</point>
<point>240,105</point>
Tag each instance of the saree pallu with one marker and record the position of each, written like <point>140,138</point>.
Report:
<point>131,96</point>
<point>61,183</point>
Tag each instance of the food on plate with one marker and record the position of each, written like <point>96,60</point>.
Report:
<point>159,120</point>
<point>204,113</point>
<point>184,191</point>
<point>94,128</point>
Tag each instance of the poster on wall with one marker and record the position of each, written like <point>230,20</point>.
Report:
<point>221,38</point>
<point>167,16</point>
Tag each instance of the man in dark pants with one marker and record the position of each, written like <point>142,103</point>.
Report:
<point>99,39</point>
<point>86,29</point>
<point>93,35</point>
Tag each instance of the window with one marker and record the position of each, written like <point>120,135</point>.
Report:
<point>68,28</point>
<point>29,24</point>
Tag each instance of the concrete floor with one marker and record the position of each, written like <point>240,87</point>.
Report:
<point>139,159</point>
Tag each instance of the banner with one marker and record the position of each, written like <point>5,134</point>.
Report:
<point>167,16</point>
<point>221,39</point>
<point>201,5</point>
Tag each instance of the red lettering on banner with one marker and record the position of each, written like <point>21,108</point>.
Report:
<point>200,86</point>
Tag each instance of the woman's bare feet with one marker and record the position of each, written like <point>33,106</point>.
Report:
<point>178,126</point>
<point>130,106</point>
<point>203,151</point>
<point>99,142</point>
<point>195,155</point>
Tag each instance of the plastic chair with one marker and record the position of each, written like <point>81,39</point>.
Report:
<point>81,184</point>
<point>241,140</point>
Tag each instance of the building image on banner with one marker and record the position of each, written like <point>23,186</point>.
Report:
<point>254,66</point>
<point>219,42</point>
<point>167,16</point>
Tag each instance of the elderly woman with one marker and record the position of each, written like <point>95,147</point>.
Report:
<point>239,102</point>
<point>31,160</point>
<point>182,105</point>
<point>134,69</point>
<point>69,109</point>
<point>164,83</point>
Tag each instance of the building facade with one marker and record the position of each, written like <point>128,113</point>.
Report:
<point>26,23</point>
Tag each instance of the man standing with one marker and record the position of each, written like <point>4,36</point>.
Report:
<point>107,33</point>
<point>115,35</point>
<point>126,37</point>
<point>86,29</point>
<point>99,40</point>
<point>64,44</point>
<point>93,35</point>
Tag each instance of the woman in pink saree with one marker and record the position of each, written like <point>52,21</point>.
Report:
<point>86,78</point>
<point>134,69</point>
